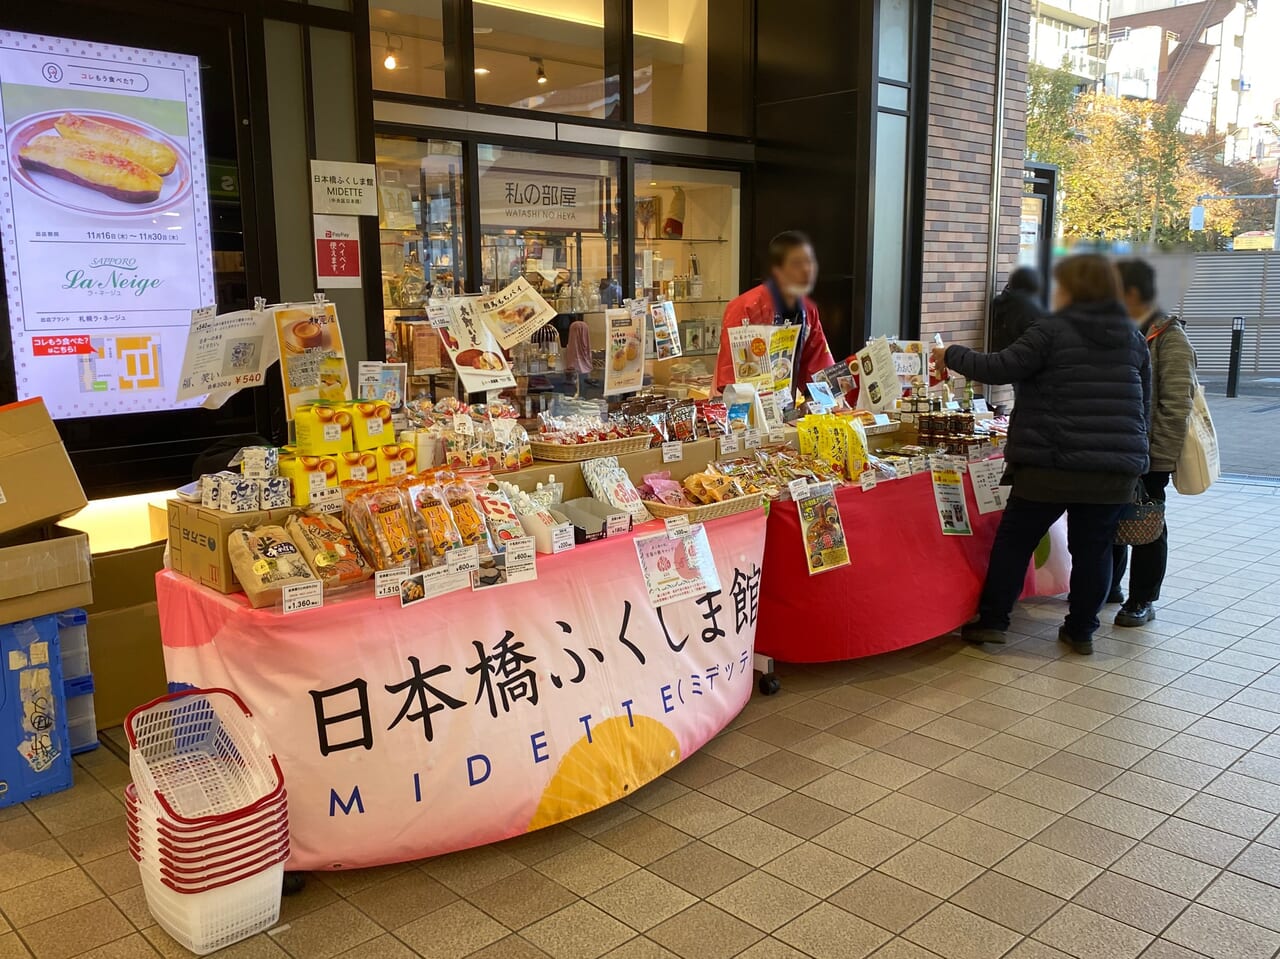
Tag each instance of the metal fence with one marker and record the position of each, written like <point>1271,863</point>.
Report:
<point>1208,289</point>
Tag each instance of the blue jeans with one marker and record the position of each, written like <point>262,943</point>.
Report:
<point>1091,531</point>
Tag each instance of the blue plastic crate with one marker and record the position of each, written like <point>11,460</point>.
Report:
<point>35,755</point>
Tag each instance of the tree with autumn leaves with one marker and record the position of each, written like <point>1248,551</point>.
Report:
<point>1127,171</point>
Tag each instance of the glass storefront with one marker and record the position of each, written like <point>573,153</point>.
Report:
<point>406,43</point>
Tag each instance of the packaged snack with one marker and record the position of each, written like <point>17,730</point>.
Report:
<point>371,423</point>
<point>274,492</point>
<point>260,462</point>
<point>610,484</point>
<point>381,519</point>
<point>395,461</point>
<point>322,428</point>
<point>211,489</point>
<point>238,494</point>
<point>466,514</point>
<point>739,417</point>
<point>307,473</point>
<point>265,560</point>
<point>713,418</point>
<point>328,549</point>
<point>665,489</point>
<point>500,515</point>
<point>433,521</point>
<point>683,419</point>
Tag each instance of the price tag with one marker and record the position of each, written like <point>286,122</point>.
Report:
<point>980,405</point>
<point>673,523</point>
<point>438,315</point>
<point>462,424</point>
<point>326,500</point>
<point>465,559</point>
<point>672,452</point>
<point>386,582</point>
<point>919,464</point>
<point>374,426</point>
<point>728,444</point>
<point>398,467</point>
<point>316,481</point>
<point>617,524</point>
<point>520,551</point>
<point>302,596</point>
<point>867,481</point>
<point>777,435</point>
<point>332,432</point>
<point>562,538</point>
<point>751,439</point>
<point>798,488</point>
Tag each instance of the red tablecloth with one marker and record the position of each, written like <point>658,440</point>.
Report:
<point>906,582</point>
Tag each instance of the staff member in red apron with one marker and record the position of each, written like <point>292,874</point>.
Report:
<point>779,300</point>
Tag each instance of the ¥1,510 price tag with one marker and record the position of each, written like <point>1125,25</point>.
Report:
<point>302,596</point>
<point>386,582</point>
<point>672,452</point>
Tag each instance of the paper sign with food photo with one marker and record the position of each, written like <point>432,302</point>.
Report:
<point>666,331</point>
<point>677,564</point>
<point>880,387</point>
<point>825,545</point>
<point>515,313</point>
<point>909,360</point>
<point>312,361</point>
<point>473,348</point>
<point>749,346</point>
<point>624,352</point>
<point>782,351</point>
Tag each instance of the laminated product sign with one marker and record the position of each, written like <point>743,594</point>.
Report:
<point>515,313</point>
<point>825,545</point>
<point>226,353</point>
<point>948,495</point>
<point>666,331</point>
<point>624,353</point>
<point>878,377</point>
<point>312,360</point>
<point>473,348</point>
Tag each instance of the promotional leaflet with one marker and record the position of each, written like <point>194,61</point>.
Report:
<point>226,353</point>
<point>666,331</point>
<point>105,224</point>
<point>782,351</point>
<point>624,357</point>
<point>878,377</point>
<point>910,361</point>
<point>986,476</point>
<point>825,546</point>
<point>515,313</point>
<point>313,364</point>
<point>473,348</point>
<point>763,357</point>
<point>948,494</point>
<point>677,564</point>
<point>383,381</point>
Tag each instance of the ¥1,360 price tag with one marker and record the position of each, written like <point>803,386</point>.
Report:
<point>302,596</point>
<point>463,560</point>
<point>386,582</point>
<point>672,452</point>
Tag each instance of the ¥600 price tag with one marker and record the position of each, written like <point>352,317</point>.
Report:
<point>463,560</point>
<point>301,596</point>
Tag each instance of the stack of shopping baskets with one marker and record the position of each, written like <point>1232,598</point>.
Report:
<point>207,817</point>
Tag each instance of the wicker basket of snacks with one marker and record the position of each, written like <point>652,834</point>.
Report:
<point>700,514</point>
<point>577,452</point>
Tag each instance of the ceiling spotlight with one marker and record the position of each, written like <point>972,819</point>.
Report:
<point>391,61</point>
<point>542,73</point>
<point>482,71</point>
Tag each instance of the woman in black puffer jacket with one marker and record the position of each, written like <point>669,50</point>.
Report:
<point>1077,442</point>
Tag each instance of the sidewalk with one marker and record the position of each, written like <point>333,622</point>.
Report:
<point>1248,433</point>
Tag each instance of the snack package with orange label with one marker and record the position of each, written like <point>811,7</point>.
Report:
<point>371,423</point>
<point>307,474</point>
<point>357,466</point>
<point>467,515</point>
<point>328,549</point>
<point>323,428</point>
<point>433,522</point>
<point>395,461</point>
<point>381,519</point>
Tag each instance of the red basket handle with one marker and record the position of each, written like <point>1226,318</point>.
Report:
<point>170,697</point>
<point>240,813</point>
<point>235,875</point>
<point>184,852</point>
<point>258,846</point>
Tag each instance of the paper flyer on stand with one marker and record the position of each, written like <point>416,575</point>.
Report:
<point>226,353</point>
<point>677,564</point>
<point>986,476</point>
<point>825,546</point>
<point>948,494</point>
<point>313,364</point>
<point>749,346</point>
<point>382,381</point>
<point>910,361</point>
<point>666,331</point>
<point>474,350</point>
<point>878,377</point>
<point>624,350</point>
<point>515,313</point>
<point>782,352</point>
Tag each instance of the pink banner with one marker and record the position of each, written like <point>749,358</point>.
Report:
<point>462,720</point>
<point>906,582</point>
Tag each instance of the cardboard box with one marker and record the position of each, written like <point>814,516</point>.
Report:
<point>128,660</point>
<point>125,577</point>
<point>45,576</point>
<point>38,484</point>
<point>198,541</point>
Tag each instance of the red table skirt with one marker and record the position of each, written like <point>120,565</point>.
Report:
<point>906,582</point>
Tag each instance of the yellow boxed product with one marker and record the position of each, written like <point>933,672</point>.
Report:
<point>307,473</point>
<point>323,428</point>
<point>395,461</point>
<point>371,424</point>
<point>359,466</point>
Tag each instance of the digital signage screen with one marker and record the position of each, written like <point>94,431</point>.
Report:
<point>104,221</point>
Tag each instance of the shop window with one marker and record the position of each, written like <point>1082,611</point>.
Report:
<point>423,246</point>
<point>690,64</point>
<point>895,40</point>
<point>890,225</point>
<point>543,55</point>
<point>553,220</point>
<point>686,250</point>
<point>407,47</point>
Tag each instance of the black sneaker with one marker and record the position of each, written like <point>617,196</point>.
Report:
<point>1134,613</point>
<point>978,634</point>
<point>1082,646</point>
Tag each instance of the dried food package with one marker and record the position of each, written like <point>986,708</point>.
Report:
<point>433,521</point>
<point>610,484</point>
<point>381,518</point>
<point>467,515</point>
<point>265,560</point>
<point>328,549</point>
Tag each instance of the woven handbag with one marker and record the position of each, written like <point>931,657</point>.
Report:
<point>1142,521</point>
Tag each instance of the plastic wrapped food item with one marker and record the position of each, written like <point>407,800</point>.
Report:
<point>265,560</point>
<point>433,522</point>
<point>382,521</point>
<point>500,515</point>
<point>466,514</point>
<point>713,418</point>
<point>610,484</point>
<point>665,489</point>
<point>683,419</point>
<point>328,549</point>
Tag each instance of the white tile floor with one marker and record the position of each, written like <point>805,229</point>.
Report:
<point>944,801</point>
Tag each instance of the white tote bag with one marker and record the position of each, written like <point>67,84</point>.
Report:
<point>1198,466</point>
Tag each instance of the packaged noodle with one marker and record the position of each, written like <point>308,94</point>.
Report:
<point>610,484</point>
<point>265,560</point>
<point>328,549</point>
<point>433,522</point>
<point>382,521</point>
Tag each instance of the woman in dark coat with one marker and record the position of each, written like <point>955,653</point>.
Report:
<point>1077,442</point>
